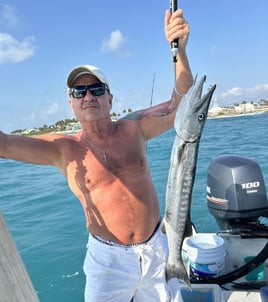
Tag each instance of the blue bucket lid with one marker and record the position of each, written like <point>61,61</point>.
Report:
<point>264,290</point>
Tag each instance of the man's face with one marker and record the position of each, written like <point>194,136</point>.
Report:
<point>92,105</point>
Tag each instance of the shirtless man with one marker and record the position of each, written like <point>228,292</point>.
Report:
<point>106,168</point>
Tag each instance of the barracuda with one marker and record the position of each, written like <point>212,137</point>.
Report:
<point>189,123</point>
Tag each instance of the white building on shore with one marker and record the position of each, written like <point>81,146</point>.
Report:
<point>244,108</point>
<point>215,109</point>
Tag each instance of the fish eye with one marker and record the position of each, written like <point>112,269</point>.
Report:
<point>201,116</point>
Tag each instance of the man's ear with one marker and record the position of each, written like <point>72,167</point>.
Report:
<point>111,99</point>
<point>70,101</point>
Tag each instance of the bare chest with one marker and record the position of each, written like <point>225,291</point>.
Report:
<point>98,170</point>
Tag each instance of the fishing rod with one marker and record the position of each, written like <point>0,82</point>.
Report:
<point>175,43</point>
<point>151,103</point>
<point>174,46</point>
<point>152,93</point>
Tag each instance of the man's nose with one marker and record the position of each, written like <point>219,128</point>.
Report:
<point>89,95</point>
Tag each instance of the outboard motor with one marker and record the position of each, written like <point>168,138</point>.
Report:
<point>236,197</point>
<point>236,194</point>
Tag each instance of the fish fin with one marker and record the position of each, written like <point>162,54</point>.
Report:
<point>195,79</point>
<point>188,232</point>
<point>163,228</point>
<point>178,271</point>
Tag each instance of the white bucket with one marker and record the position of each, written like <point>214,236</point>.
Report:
<point>206,254</point>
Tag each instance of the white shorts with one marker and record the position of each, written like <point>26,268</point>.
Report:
<point>120,273</point>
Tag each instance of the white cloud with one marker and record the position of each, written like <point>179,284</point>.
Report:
<point>8,16</point>
<point>51,110</point>
<point>238,94</point>
<point>259,88</point>
<point>235,91</point>
<point>42,116</point>
<point>215,50</point>
<point>12,50</point>
<point>114,42</point>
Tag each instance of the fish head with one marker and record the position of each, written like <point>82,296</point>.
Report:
<point>192,112</point>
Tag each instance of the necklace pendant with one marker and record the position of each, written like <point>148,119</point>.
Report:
<point>105,158</point>
<point>103,152</point>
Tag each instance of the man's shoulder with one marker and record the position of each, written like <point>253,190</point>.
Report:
<point>133,116</point>
<point>127,124</point>
<point>57,137</point>
<point>62,141</point>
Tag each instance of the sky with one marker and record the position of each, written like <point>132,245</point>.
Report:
<point>41,41</point>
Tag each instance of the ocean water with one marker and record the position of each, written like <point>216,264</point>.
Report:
<point>48,224</point>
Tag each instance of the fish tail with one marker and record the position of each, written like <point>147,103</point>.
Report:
<point>188,232</point>
<point>178,271</point>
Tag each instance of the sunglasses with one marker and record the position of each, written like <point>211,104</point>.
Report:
<point>79,92</point>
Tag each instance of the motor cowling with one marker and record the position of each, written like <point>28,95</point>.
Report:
<point>235,190</point>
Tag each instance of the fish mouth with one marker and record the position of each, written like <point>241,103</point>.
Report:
<point>206,98</point>
<point>194,112</point>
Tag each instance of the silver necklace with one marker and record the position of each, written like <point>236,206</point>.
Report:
<point>103,152</point>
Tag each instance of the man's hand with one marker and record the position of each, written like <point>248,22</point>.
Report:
<point>176,27</point>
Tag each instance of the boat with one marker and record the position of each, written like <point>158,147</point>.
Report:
<point>237,199</point>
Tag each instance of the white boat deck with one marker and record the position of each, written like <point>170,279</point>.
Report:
<point>238,252</point>
<point>214,293</point>
<point>241,296</point>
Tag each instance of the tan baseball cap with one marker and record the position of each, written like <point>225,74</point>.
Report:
<point>86,69</point>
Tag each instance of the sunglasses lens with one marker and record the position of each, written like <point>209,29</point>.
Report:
<point>95,89</point>
<point>79,92</point>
